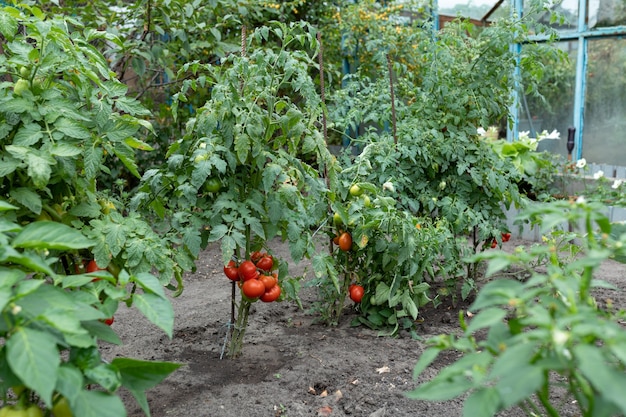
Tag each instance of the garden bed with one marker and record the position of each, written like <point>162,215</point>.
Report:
<point>290,365</point>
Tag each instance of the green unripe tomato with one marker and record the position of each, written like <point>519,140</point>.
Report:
<point>62,408</point>
<point>212,185</point>
<point>366,200</point>
<point>337,218</point>
<point>18,389</point>
<point>355,190</point>
<point>24,72</point>
<point>20,86</point>
<point>30,411</point>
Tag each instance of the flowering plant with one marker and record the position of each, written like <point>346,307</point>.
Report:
<point>597,186</point>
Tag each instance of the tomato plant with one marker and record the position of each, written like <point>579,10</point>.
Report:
<point>535,341</point>
<point>69,127</point>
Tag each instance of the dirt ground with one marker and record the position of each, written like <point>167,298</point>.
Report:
<point>290,365</point>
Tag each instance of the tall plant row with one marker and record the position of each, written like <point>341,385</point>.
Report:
<point>127,151</point>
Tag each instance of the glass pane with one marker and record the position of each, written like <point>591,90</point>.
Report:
<point>474,9</point>
<point>555,110</point>
<point>565,13</point>
<point>603,13</point>
<point>604,138</point>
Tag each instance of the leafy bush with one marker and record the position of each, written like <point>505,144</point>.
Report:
<point>64,119</point>
<point>248,168</point>
<point>543,331</point>
<point>53,323</point>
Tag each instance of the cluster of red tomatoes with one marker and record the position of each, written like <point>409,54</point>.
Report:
<point>255,277</point>
<point>505,238</point>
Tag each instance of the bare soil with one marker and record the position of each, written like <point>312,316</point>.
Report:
<point>291,366</point>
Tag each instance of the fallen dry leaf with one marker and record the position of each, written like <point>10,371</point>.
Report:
<point>338,395</point>
<point>324,411</point>
<point>312,391</point>
<point>383,370</point>
<point>324,393</point>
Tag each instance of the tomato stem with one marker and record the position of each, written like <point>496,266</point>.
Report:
<point>239,329</point>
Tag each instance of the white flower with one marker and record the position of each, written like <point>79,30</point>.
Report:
<point>388,186</point>
<point>581,200</point>
<point>524,135</point>
<point>581,163</point>
<point>598,175</point>
<point>552,135</point>
<point>560,337</point>
<point>617,184</point>
<point>481,131</point>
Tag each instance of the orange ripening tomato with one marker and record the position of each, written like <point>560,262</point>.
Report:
<point>345,241</point>
<point>269,281</point>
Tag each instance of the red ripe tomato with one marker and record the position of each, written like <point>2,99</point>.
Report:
<point>231,271</point>
<point>253,288</point>
<point>345,241</point>
<point>92,266</point>
<point>506,237</point>
<point>494,243</point>
<point>109,321</point>
<point>356,293</point>
<point>247,271</point>
<point>272,294</point>
<point>266,263</point>
<point>336,240</point>
<point>255,256</point>
<point>269,281</point>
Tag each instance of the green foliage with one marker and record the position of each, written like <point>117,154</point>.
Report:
<point>538,170</point>
<point>65,119</point>
<point>543,330</point>
<point>395,256</point>
<point>256,144</point>
<point>52,323</point>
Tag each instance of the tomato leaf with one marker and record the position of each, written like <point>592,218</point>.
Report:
<point>139,376</point>
<point>98,404</point>
<point>33,356</point>
<point>156,309</point>
<point>149,283</point>
<point>51,235</point>
<point>483,402</point>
